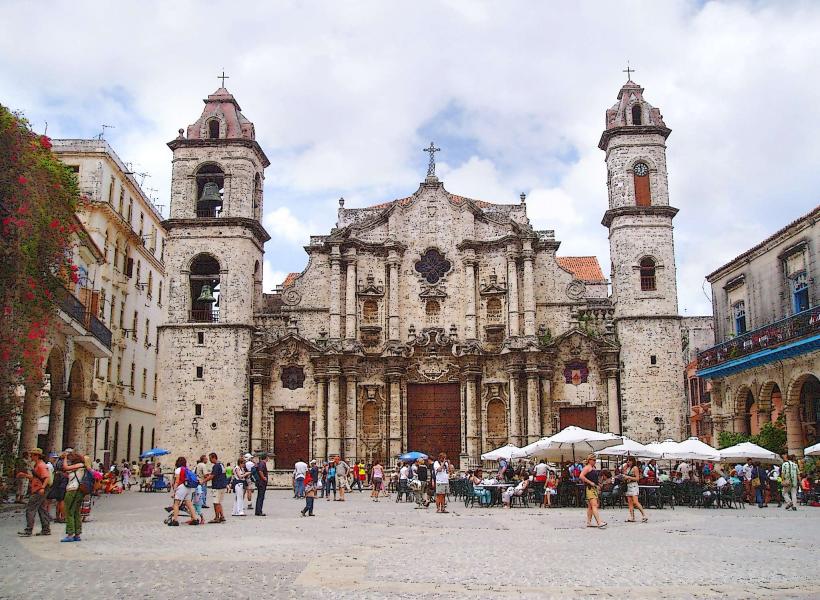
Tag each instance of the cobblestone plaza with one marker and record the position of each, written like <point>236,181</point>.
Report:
<point>359,549</point>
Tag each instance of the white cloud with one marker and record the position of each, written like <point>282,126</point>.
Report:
<point>270,277</point>
<point>342,95</point>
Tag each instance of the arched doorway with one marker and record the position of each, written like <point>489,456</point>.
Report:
<point>496,423</point>
<point>802,412</point>
<point>744,410</point>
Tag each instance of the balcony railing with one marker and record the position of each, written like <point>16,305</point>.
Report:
<point>207,213</point>
<point>204,315</point>
<point>75,309</point>
<point>786,330</point>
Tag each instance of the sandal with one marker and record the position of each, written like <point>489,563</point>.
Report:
<point>602,525</point>
<point>630,520</point>
<point>645,520</point>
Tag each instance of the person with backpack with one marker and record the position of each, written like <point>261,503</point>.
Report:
<point>330,480</point>
<point>38,479</point>
<point>58,487</point>
<point>185,482</point>
<point>79,482</point>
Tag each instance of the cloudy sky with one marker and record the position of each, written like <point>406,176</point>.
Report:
<point>344,96</point>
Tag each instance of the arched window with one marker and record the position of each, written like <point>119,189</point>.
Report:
<point>496,422</point>
<point>432,312</point>
<point>210,184</point>
<point>115,444</point>
<point>636,114</point>
<point>204,279</point>
<point>642,192</point>
<point>648,283</point>
<point>142,439</point>
<point>739,313</point>
<point>257,192</point>
<point>494,314</point>
<point>150,284</point>
<point>213,129</point>
<point>749,411</point>
<point>370,312</point>
<point>153,443</point>
<point>128,446</point>
<point>116,261</point>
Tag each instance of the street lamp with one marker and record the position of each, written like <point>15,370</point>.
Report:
<point>96,420</point>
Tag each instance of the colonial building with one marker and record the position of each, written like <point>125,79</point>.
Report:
<point>126,294</point>
<point>431,322</point>
<point>767,325</point>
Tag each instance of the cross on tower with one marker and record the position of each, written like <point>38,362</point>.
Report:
<point>628,71</point>
<point>431,166</point>
<point>223,77</point>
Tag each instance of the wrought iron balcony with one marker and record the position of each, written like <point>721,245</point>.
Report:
<point>83,317</point>
<point>204,315</point>
<point>775,334</point>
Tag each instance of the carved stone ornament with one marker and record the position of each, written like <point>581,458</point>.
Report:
<point>576,290</point>
<point>576,372</point>
<point>291,297</point>
<point>433,370</point>
<point>293,377</point>
<point>433,265</point>
<point>289,350</point>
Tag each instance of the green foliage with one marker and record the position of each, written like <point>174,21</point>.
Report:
<point>730,438</point>
<point>546,339</point>
<point>772,437</point>
<point>810,465</point>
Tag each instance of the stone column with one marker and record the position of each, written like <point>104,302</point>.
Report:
<point>393,261</point>
<point>612,401</point>
<point>256,412</point>
<point>350,417</point>
<point>512,291</point>
<point>55,421</point>
<point>471,410</point>
<point>533,406</point>
<point>546,403</point>
<point>529,289</point>
<point>394,418</point>
<point>334,434</point>
<point>350,296</point>
<point>794,430</point>
<point>515,408</point>
<point>470,304</point>
<point>320,450</point>
<point>335,288</point>
<point>28,429</point>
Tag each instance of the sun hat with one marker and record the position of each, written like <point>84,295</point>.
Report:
<point>248,455</point>
<point>36,451</point>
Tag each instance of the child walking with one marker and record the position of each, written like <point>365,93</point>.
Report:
<point>310,495</point>
<point>198,501</point>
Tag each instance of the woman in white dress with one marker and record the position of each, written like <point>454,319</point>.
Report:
<point>631,475</point>
<point>240,476</point>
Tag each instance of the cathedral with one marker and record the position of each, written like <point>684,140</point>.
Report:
<point>432,322</point>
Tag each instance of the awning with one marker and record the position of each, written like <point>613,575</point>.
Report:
<point>797,348</point>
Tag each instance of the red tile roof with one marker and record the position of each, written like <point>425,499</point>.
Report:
<point>290,279</point>
<point>585,268</point>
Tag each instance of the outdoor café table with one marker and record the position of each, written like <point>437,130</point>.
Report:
<point>496,490</point>
<point>650,493</point>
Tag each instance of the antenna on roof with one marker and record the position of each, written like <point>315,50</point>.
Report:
<point>130,167</point>
<point>142,177</point>
<point>101,135</point>
<point>46,131</point>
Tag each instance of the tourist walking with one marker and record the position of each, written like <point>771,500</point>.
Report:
<point>342,471</point>
<point>589,477</point>
<point>299,472</point>
<point>631,476</point>
<point>788,477</point>
<point>377,479</point>
<point>404,474</point>
<point>240,476</point>
<point>59,481</point>
<point>184,484</point>
<point>202,470</point>
<point>38,479</point>
<point>219,481</point>
<point>310,494</point>
<point>261,483</point>
<point>250,481</point>
<point>76,488</point>
<point>759,484</point>
<point>422,476</point>
<point>330,480</point>
<point>441,468</point>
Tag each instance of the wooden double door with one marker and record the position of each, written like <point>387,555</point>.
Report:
<point>580,416</point>
<point>434,419</point>
<point>291,438</point>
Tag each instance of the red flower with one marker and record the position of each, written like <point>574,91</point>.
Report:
<point>55,223</point>
<point>22,180</point>
<point>7,310</point>
<point>73,267</point>
<point>6,355</point>
<point>45,142</point>
<point>29,296</point>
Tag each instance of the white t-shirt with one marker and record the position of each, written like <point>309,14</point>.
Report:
<point>540,469</point>
<point>300,469</point>
<point>721,481</point>
<point>442,476</point>
<point>747,472</point>
<point>684,469</point>
<point>403,472</point>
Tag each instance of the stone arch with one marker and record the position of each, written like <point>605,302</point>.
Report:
<point>209,174</point>
<point>496,411</point>
<point>73,412</point>
<point>769,392</point>
<point>204,271</point>
<point>635,113</point>
<point>802,408</point>
<point>213,125</point>
<point>743,402</point>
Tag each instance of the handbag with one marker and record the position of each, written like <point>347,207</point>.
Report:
<point>756,482</point>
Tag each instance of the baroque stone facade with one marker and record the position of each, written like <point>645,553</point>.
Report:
<point>431,322</point>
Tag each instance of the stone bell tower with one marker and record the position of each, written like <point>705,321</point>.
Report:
<point>213,256</point>
<point>644,290</point>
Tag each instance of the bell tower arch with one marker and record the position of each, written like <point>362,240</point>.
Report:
<point>214,247</point>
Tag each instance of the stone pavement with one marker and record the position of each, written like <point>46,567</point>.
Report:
<point>359,549</point>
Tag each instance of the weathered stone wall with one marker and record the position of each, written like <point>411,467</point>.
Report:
<point>622,153</point>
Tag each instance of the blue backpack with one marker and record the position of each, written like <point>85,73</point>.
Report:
<point>191,480</point>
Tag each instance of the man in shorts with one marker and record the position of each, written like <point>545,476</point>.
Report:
<point>203,469</point>
<point>219,481</point>
<point>342,470</point>
<point>441,468</point>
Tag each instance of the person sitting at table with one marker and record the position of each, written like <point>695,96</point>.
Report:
<point>481,493</point>
<point>540,471</point>
<point>518,490</point>
<point>710,493</point>
<point>550,489</point>
<point>663,477</point>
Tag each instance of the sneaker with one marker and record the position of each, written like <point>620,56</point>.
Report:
<point>794,508</point>
<point>77,538</point>
<point>68,538</point>
<point>24,533</point>
<point>173,524</point>
<point>43,533</point>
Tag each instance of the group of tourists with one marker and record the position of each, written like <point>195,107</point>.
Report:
<point>64,481</point>
<point>190,487</point>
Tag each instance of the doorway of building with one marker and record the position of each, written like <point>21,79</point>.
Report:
<point>291,438</point>
<point>434,419</point>
<point>580,416</point>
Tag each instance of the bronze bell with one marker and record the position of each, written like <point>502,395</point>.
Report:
<point>206,295</point>
<point>210,196</point>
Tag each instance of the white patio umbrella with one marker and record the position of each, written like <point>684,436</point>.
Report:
<point>693,449</point>
<point>812,450</point>
<point>541,449</point>
<point>572,441</point>
<point>664,448</point>
<point>742,451</point>
<point>506,452</point>
<point>629,448</point>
